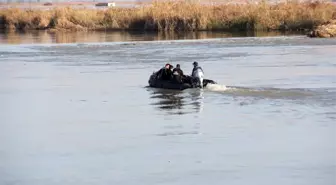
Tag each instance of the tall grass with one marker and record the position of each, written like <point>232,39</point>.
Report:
<point>176,15</point>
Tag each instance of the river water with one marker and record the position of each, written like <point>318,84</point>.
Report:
<point>80,112</point>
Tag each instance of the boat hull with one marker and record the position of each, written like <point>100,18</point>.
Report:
<point>164,84</point>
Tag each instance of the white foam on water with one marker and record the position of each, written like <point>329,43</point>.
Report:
<point>216,87</point>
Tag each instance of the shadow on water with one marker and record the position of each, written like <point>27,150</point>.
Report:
<point>29,37</point>
<point>174,102</point>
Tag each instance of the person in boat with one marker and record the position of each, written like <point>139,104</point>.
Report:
<point>178,70</point>
<point>165,73</point>
<point>161,72</point>
<point>196,67</point>
<point>170,72</point>
<point>197,73</point>
<point>178,74</point>
<point>171,68</point>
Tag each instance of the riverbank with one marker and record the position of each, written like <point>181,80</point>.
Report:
<point>326,30</point>
<point>177,16</point>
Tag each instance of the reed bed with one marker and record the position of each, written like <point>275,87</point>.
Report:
<point>176,15</point>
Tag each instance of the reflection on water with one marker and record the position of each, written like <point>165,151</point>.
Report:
<point>167,99</point>
<point>117,36</point>
<point>196,97</point>
<point>177,102</point>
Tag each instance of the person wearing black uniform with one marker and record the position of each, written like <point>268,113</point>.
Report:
<point>178,74</point>
<point>178,70</point>
<point>165,73</point>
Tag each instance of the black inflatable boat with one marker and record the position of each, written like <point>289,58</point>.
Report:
<point>154,81</point>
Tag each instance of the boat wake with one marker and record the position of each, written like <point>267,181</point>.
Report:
<point>216,87</point>
<point>262,92</point>
<point>177,102</point>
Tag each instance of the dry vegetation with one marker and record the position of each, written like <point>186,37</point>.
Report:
<point>175,15</point>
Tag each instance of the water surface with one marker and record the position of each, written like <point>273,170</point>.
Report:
<point>38,37</point>
<point>81,113</point>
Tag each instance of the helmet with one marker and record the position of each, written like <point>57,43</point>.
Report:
<point>195,63</point>
<point>177,65</point>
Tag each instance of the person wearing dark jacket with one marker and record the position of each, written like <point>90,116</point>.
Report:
<point>178,74</point>
<point>166,72</point>
<point>163,72</point>
<point>178,70</point>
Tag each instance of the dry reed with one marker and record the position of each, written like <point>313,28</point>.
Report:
<point>176,15</point>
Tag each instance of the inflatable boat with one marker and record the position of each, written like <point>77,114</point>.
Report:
<point>155,82</point>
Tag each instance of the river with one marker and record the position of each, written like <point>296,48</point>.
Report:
<point>77,110</point>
